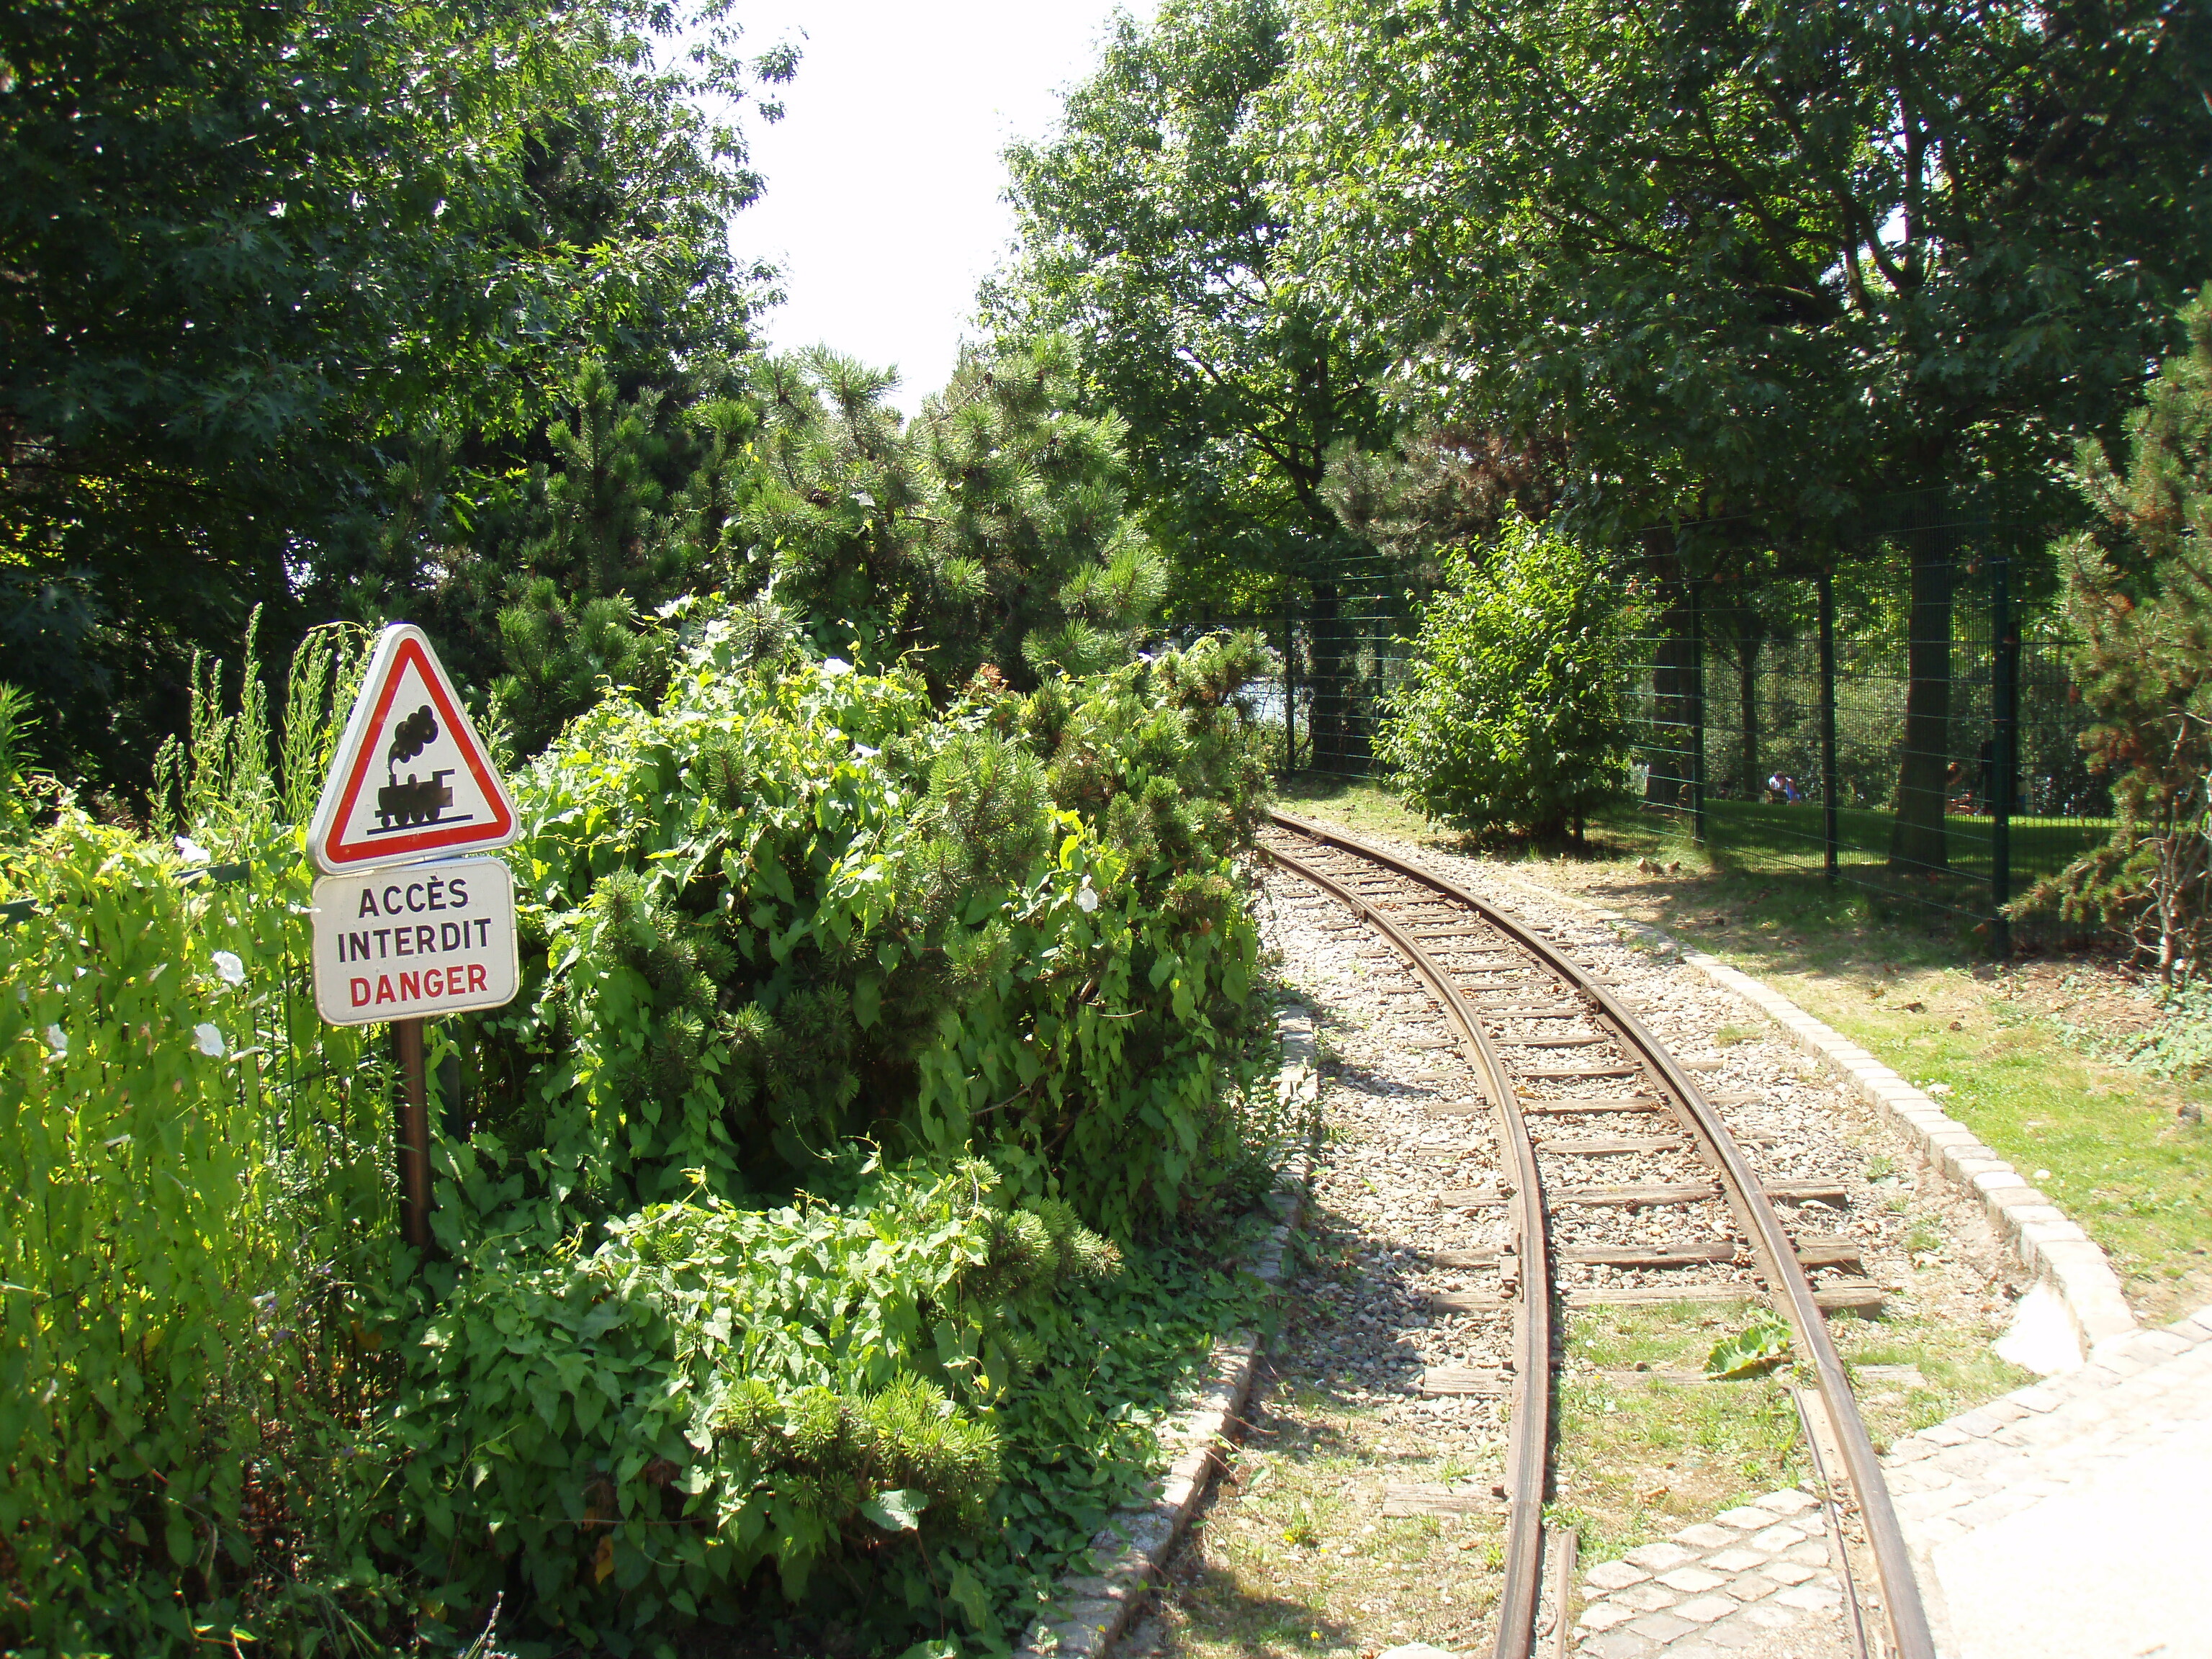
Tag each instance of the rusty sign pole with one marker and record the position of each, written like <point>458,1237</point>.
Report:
<point>414,1132</point>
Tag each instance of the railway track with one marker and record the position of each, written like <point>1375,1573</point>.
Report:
<point>1547,1040</point>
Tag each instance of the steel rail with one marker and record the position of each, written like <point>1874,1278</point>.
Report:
<point>1777,1257</point>
<point>1529,1433</point>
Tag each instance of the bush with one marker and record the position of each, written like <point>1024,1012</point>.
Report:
<point>1514,715</point>
<point>188,1310</point>
<point>844,1024</point>
<point>792,906</point>
<point>788,911</point>
<point>633,1431</point>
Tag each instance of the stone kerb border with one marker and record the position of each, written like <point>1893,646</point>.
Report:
<point>1090,1609</point>
<point>2054,1249</point>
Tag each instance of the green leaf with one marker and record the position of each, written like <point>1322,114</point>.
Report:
<point>1761,1346</point>
<point>966,1592</point>
<point>896,1511</point>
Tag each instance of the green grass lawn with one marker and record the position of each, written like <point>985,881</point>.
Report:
<point>2110,1143</point>
<point>1772,837</point>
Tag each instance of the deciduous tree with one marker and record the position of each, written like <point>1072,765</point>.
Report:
<point>1762,262</point>
<point>262,263</point>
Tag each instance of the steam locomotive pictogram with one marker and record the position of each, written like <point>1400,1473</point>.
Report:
<point>401,806</point>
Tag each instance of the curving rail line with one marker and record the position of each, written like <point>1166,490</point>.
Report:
<point>1774,1254</point>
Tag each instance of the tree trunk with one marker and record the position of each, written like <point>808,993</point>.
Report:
<point>1748,707</point>
<point>1674,687</point>
<point>1916,839</point>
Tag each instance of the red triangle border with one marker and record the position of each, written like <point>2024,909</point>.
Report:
<point>335,855</point>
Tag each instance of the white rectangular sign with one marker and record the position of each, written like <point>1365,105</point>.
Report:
<point>413,941</point>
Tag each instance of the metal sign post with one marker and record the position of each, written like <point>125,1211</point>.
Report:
<point>405,926</point>
<point>414,1132</point>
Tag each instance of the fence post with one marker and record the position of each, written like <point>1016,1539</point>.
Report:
<point>2004,739</point>
<point>1696,714</point>
<point>1828,781</point>
<point>1290,693</point>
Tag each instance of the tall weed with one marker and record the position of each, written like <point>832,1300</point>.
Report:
<point>191,1287</point>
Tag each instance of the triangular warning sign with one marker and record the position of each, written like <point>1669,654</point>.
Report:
<point>410,776</point>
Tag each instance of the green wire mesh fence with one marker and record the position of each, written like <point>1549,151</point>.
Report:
<point>1892,707</point>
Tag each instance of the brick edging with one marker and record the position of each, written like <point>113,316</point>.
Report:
<point>1089,1610</point>
<point>2048,1245</point>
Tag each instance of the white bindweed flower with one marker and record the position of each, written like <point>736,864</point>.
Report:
<point>192,852</point>
<point>864,753</point>
<point>208,1040</point>
<point>58,1039</point>
<point>834,667</point>
<point>232,969</point>
<point>1085,899</point>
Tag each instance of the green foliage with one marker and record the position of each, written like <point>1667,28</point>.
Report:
<point>1758,1347</point>
<point>1754,259</point>
<point>849,1408</point>
<point>191,1305</point>
<point>789,909</point>
<point>2179,1043</point>
<point>991,530</point>
<point>18,723</point>
<point>566,571</point>
<point>271,263</point>
<point>1442,486</point>
<point>1150,241</point>
<point>1513,715</point>
<point>634,1433</point>
<point>234,776</point>
<point>790,906</point>
<point>2140,598</point>
<point>687,1348</point>
<point>563,656</point>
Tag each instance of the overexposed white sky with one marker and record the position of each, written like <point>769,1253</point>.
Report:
<point>883,179</point>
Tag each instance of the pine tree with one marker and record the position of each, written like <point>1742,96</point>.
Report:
<point>993,530</point>
<point>556,586</point>
<point>2140,597</point>
<point>1035,496</point>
